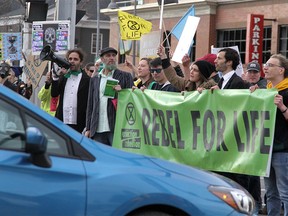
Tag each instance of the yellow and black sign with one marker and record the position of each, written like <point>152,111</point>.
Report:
<point>132,27</point>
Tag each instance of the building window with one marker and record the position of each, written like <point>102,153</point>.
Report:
<point>193,49</point>
<point>237,37</point>
<point>283,46</point>
<point>167,41</point>
<point>267,43</point>
<point>126,3</point>
<point>93,43</point>
<point>233,37</point>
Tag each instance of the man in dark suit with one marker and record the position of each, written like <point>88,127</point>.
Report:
<point>227,61</point>
<point>72,87</point>
<point>101,110</point>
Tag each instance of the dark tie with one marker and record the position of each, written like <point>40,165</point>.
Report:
<point>220,83</point>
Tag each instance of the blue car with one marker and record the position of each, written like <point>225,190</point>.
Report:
<point>47,168</point>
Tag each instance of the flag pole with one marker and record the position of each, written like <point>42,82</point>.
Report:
<point>166,35</point>
<point>161,19</point>
<point>134,42</point>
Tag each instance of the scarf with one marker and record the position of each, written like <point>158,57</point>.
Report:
<point>280,86</point>
<point>75,73</point>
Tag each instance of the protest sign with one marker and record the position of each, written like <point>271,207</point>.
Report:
<point>34,69</point>
<point>11,46</point>
<point>132,27</point>
<point>227,130</point>
<point>186,38</point>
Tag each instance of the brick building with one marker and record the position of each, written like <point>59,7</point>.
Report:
<point>222,23</point>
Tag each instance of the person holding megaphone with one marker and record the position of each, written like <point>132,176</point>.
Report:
<point>72,87</point>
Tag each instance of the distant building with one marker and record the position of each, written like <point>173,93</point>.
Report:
<point>222,23</point>
<point>12,17</point>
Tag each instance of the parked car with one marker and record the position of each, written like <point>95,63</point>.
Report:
<point>47,168</point>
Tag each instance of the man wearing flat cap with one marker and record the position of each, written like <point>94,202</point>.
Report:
<point>101,110</point>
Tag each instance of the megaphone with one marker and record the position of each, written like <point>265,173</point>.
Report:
<point>48,54</point>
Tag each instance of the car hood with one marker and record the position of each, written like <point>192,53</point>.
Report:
<point>109,156</point>
<point>193,172</point>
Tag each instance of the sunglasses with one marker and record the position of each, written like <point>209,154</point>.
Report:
<point>156,70</point>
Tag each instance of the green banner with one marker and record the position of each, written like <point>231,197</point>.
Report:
<point>223,130</point>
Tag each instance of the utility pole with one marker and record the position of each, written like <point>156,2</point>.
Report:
<point>97,30</point>
<point>67,11</point>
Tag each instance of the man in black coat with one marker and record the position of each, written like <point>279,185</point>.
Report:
<point>101,110</point>
<point>72,87</point>
<point>227,61</point>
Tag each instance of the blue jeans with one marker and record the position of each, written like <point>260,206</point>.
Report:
<point>277,184</point>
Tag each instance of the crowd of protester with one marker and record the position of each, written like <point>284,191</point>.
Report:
<point>77,97</point>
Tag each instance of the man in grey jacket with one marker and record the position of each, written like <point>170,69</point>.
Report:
<point>101,109</point>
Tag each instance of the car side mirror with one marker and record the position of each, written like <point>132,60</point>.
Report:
<point>36,145</point>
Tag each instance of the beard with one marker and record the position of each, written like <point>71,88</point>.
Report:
<point>110,66</point>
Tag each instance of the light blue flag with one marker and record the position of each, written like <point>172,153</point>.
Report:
<point>125,46</point>
<point>178,28</point>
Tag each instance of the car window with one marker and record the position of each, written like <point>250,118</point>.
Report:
<point>56,143</point>
<point>12,132</point>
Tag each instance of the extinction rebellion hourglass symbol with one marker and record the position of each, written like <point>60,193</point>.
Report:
<point>12,49</point>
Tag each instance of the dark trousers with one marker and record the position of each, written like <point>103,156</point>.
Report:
<point>241,179</point>
<point>255,190</point>
<point>105,138</point>
<point>76,127</point>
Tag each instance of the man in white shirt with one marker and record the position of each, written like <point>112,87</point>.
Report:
<point>72,88</point>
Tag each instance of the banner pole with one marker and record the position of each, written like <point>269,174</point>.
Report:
<point>161,20</point>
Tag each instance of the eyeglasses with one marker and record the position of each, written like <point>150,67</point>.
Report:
<point>271,65</point>
<point>156,70</point>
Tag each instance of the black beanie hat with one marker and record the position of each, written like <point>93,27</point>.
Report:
<point>205,68</point>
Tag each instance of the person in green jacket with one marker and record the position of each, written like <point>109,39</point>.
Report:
<point>48,103</point>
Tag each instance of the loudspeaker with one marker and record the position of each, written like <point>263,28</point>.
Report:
<point>47,54</point>
<point>36,11</point>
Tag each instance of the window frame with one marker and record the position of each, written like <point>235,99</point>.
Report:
<point>93,43</point>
